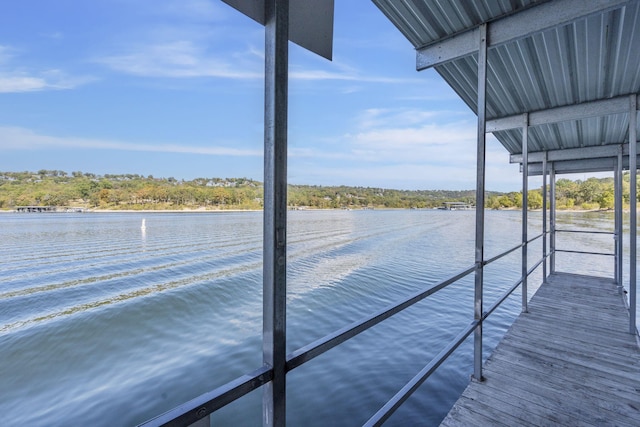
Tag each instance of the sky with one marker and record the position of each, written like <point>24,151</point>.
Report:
<point>175,88</point>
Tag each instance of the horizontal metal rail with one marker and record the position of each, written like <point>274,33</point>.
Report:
<point>532,269</point>
<point>203,405</point>
<point>405,392</point>
<point>535,238</point>
<point>321,345</point>
<point>585,252</point>
<point>501,299</point>
<point>585,232</point>
<point>511,289</point>
<point>497,257</point>
<point>513,249</point>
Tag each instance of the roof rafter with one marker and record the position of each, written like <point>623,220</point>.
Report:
<point>602,151</point>
<point>513,27</point>
<point>598,108</point>
<point>581,166</point>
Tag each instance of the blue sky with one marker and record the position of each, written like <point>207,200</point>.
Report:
<point>174,88</point>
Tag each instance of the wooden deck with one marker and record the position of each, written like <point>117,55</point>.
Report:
<point>570,361</point>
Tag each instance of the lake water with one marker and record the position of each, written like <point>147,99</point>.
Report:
<point>102,323</point>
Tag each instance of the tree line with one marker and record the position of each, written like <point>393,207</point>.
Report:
<point>592,193</point>
<point>137,192</point>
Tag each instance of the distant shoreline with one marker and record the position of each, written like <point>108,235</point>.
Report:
<point>200,210</point>
<point>171,210</point>
<point>89,211</point>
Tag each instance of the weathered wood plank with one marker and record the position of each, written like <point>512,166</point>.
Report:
<point>566,302</point>
<point>569,361</point>
<point>551,344</point>
<point>530,406</point>
<point>474,413</point>
<point>579,389</point>
<point>553,402</point>
<point>545,319</point>
<point>581,334</point>
<point>607,348</point>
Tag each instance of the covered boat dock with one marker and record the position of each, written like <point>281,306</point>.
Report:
<point>557,84</point>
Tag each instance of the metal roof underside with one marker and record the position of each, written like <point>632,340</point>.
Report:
<point>570,64</point>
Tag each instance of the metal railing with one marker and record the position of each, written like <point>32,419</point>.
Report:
<point>197,410</point>
<point>586,252</point>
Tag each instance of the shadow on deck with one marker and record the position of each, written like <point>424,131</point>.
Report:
<point>569,361</point>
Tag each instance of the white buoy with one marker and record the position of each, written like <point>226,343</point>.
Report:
<point>143,226</point>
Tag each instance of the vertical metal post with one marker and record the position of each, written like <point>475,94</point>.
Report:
<point>525,206</point>
<point>633,199</point>
<point>544,218</point>
<point>202,422</point>
<point>275,209</point>
<point>618,219</point>
<point>480,184</point>
<point>552,200</point>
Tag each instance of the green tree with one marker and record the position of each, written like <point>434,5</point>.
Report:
<point>494,202</point>
<point>590,190</point>
<point>606,199</point>
<point>534,199</point>
<point>517,200</point>
<point>505,201</point>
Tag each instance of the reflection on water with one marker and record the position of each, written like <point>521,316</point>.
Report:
<point>106,322</point>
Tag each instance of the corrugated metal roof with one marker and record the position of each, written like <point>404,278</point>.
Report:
<point>592,58</point>
<point>424,22</point>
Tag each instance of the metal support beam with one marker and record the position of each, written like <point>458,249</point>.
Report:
<point>480,185</point>
<point>525,208</point>
<point>513,27</point>
<point>552,199</point>
<point>581,166</point>
<point>544,220</point>
<point>599,108</point>
<point>633,199</point>
<point>617,197</point>
<point>275,209</point>
<point>583,153</point>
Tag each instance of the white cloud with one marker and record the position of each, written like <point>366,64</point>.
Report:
<point>374,118</point>
<point>16,138</point>
<point>396,136</point>
<point>405,176</point>
<point>178,59</point>
<point>12,84</point>
<point>48,80</point>
<point>311,74</point>
<point>187,57</point>
<point>438,173</point>
<point>304,68</point>
<point>405,148</point>
<point>16,80</point>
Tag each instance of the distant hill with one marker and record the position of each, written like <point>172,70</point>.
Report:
<point>132,191</point>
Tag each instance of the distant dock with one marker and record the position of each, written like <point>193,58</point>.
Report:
<point>456,206</point>
<point>49,209</point>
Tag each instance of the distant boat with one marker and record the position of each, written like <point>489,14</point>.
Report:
<point>143,226</point>
<point>456,206</point>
